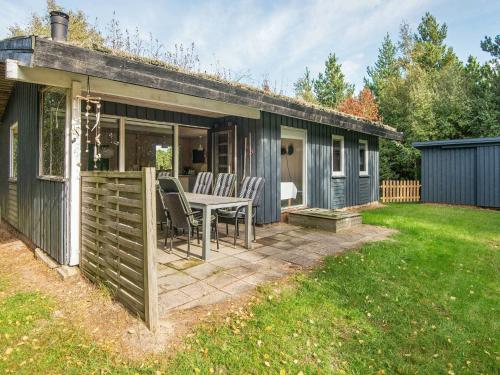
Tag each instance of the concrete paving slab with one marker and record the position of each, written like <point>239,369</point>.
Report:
<point>175,281</point>
<point>198,289</point>
<point>220,280</point>
<point>279,251</point>
<point>202,271</point>
<point>172,300</point>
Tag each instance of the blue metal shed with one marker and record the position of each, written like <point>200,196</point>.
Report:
<point>461,171</point>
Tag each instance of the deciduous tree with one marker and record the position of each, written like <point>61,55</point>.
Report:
<point>363,105</point>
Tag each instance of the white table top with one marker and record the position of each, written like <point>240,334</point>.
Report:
<point>214,201</point>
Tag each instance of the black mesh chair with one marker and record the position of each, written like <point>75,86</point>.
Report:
<point>224,185</point>
<point>251,188</point>
<point>203,183</point>
<point>180,215</point>
<point>161,212</point>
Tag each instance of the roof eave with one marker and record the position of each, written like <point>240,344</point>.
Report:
<point>45,53</point>
<point>457,142</point>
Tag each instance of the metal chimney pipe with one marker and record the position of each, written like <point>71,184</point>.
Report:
<point>59,26</point>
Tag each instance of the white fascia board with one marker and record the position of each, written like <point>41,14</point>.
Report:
<point>125,91</point>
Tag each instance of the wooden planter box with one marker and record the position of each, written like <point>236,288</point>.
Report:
<point>320,218</point>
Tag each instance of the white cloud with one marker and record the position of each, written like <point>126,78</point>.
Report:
<point>278,38</point>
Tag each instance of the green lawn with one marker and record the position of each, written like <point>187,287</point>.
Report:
<point>426,301</point>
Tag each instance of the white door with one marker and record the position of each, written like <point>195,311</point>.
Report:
<point>293,167</point>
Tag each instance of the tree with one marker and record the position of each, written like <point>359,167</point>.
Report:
<point>423,94</point>
<point>429,50</point>
<point>483,91</point>
<point>385,67</point>
<point>364,105</point>
<point>80,31</point>
<point>304,87</point>
<point>492,47</point>
<point>330,87</point>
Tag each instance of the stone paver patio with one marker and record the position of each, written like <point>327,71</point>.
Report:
<point>280,249</point>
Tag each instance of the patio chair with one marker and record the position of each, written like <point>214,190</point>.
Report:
<point>161,212</point>
<point>203,183</point>
<point>224,185</point>
<point>251,188</point>
<point>180,215</point>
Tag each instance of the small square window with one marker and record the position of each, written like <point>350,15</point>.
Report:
<point>363,157</point>
<point>337,155</point>
<point>52,125</point>
<point>13,152</point>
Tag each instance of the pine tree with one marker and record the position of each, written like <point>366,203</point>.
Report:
<point>304,87</point>
<point>430,52</point>
<point>492,47</point>
<point>331,88</point>
<point>385,67</point>
<point>483,91</point>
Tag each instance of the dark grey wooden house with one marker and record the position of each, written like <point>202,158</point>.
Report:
<point>309,156</point>
<point>461,171</point>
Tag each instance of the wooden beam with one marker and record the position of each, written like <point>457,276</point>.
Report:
<point>150,248</point>
<point>73,173</point>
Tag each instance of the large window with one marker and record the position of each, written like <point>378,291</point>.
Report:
<point>109,148</point>
<point>13,152</point>
<point>337,155</point>
<point>148,145</point>
<point>363,157</point>
<point>53,121</point>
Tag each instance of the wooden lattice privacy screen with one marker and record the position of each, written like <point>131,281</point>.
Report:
<point>118,237</point>
<point>400,191</point>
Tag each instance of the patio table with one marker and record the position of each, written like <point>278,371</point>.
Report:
<point>207,203</point>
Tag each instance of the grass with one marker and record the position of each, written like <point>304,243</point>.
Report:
<point>424,302</point>
<point>32,341</point>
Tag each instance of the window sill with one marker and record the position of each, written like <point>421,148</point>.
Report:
<point>364,175</point>
<point>338,176</point>
<point>51,178</point>
<point>12,179</point>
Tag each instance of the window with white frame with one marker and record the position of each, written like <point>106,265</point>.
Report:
<point>363,157</point>
<point>337,155</point>
<point>13,152</point>
<point>52,125</point>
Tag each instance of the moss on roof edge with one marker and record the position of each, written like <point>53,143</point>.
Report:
<point>215,78</point>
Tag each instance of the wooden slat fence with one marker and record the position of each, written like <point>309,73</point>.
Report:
<point>12,208</point>
<point>400,191</point>
<point>118,237</point>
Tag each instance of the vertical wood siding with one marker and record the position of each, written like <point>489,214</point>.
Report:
<point>152,114</point>
<point>265,135</point>
<point>41,204</point>
<point>322,190</point>
<point>11,211</point>
<point>463,175</point>
<point>488,173</point>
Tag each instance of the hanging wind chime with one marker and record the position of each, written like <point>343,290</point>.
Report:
<point>92,103</point>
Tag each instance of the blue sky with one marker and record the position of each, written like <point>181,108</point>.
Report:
<point>278,39</point>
